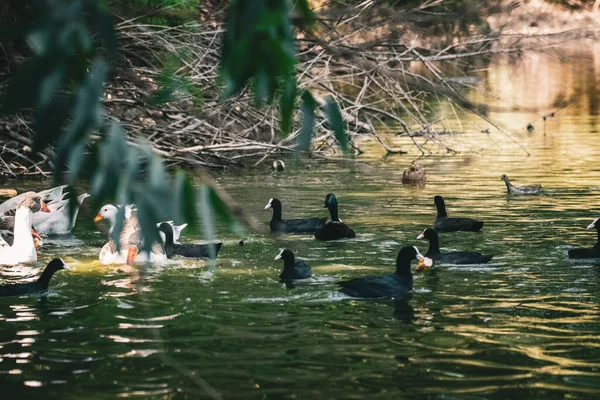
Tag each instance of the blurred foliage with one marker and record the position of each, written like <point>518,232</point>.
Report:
<point>259,50</point>
<point>172,86</point>
<point>158,12</point>
<point>74,48</point>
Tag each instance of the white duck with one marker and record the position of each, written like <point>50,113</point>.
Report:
<point>129,240</point>
<point>23,247</point>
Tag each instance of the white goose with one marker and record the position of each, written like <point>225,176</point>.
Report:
<point>57,222</point>
<point>23,247</point>
<point>48,196</point>
<point>129,240</point>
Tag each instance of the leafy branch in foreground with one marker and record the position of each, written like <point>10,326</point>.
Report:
<point>259,50</point>
<point>74,49</point>
<point>74,53</point>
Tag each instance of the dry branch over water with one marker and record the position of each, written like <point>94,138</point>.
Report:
<point>370,58</point>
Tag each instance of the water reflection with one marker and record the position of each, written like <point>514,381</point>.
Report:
<point>524,326</point>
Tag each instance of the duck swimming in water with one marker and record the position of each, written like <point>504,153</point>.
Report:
<point>415,174</point>
<point>443,223</point>
<point>397,284</point>
<point>453,257</point>
<point>593,252</point>
<point>293,269</point>
<point>334,229</point>
<point>301,225</point>
<point>535,189</point>
<point>39,285</point>
<point>199,250</point>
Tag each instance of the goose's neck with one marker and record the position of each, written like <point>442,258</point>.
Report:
<point>598,242</point>
<point>507,181</point>
<point>333,212</point>
<point>434,245</point>
<point>22,234</point>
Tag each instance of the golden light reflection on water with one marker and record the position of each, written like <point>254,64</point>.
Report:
<point>529,316</point>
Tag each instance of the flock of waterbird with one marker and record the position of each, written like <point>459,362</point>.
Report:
<point>27,217</point>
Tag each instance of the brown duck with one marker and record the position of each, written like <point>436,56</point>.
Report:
<point>414,174</point>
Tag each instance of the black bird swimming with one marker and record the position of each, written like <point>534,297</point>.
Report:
<point>454,257</point>
<point>335,228</point>
<point>396,284</point>
<point>205,250</point>
<point>293,269</point>
<point>445,224</point>
<point>593,252</point>
<point>40,285</point>
<point>302,225</point>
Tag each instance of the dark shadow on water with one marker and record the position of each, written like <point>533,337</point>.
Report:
<point>403,311</point>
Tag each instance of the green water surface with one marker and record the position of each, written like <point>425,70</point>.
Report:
<point>526,325</point>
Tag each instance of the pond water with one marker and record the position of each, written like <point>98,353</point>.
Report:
<point>526,325</point>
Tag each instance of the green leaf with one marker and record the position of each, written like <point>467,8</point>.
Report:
<point>77,158</point>
<point>332,110</point>
<point>105,26</point>
<point>222,211</point>
<point>87,114</point>
<point>23,87</point>
<point>50,121</point>
<point>304,11</point>
<point>206,210</point>
<point>307,125</point>
<point>185,200</point>
<point>286,105</point>
<point>49,85</point>
<point>118,228</point>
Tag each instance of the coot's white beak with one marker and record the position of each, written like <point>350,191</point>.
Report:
<point>424,264</point>
<point>65,266</point>
<point>592,225</point>
<point>278,256</point>
<point>421,236</point>
<point>269,204</point>
<point>419,255</point>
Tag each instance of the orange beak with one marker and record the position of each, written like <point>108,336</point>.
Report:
<point>44,207</point>
<point>131,254</point>
<point>35,234</point>
<point>98,218</point>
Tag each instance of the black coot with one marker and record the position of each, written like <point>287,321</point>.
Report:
<point>204,250</point>
<point>293,269</point>
<point>445,224</point>
<point>454,257</point>
<point>38,286</point>
<point>303,225</point>
<point>335,228</point>
<point>593,252</point>
<point>396,284</point>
